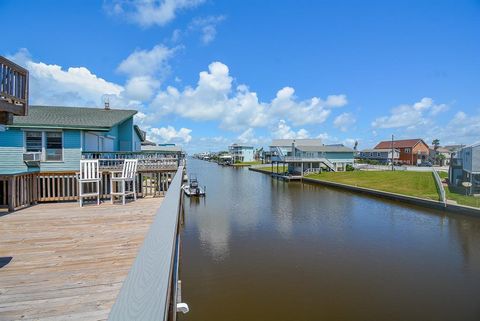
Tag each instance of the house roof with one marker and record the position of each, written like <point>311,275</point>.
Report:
<point>324,148</point>
<point>454,148</point>
<point>72,117</point>
<point>140,133</point>
<point>405,143</point>
<point>147,142</point>
<point>473,145</point>
<point>299,142</point>
<point>442,150</point>
<point>241,146</point>
<point>377,150</point>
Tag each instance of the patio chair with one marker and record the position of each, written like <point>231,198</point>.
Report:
<point>123,178</point>
<point>89,174</point>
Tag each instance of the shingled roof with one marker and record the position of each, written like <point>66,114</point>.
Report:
<point>405,143</point>
<point>72,117</point>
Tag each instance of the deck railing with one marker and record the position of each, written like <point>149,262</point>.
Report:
<point>147,160</point>
<point>25,189</point>
<point>150,290</point>
<point>13,88</point>
<point>441,189</point>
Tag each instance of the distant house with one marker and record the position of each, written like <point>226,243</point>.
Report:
<point>412,151</point>
<point>383,156</point>
<point>53,138</point>
<point>310,154</point>
<point>465,167</point>
<point>440,156</point>
<point>241,153</point>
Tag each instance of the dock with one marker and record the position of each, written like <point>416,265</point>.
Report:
<point>62,262</point>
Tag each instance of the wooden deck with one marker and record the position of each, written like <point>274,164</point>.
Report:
<point>68,263</point>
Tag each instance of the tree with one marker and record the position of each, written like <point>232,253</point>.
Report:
<point>440,158</point>
<point>436,144</point>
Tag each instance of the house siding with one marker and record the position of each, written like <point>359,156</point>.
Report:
<point>11,153</point>
<point>71,154</point>
<point>476,159</point>
<point>125,135</point>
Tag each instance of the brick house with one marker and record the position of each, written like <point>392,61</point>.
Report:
<point>412,151</point>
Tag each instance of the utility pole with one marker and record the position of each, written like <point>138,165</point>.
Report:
<point>393,154</point>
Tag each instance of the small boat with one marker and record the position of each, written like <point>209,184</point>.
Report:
<point>192,188</point>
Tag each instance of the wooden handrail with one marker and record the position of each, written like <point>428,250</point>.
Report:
<point>147,292</point>
<point>13,88</point>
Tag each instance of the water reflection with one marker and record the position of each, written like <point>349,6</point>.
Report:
<point>263,249</point>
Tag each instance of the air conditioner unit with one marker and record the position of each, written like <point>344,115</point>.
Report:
<point>32,158</point>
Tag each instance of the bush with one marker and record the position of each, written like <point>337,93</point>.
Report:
<point>349,168</point>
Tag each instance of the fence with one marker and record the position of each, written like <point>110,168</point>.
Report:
<point>25,189</point>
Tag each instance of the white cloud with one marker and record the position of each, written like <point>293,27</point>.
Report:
<point>336,101</point>
<point>344,121</point>
<point>247,137</point>
<point>283,131</point>
<point>169,134</point>
<point>238,109</point>
<point>73,86</point>
<point>207,27</point>
<point>463,128</point>
<point>141,88</point>
<point>410,115</point>
<point>147,62</point>
<point>145,70</point>
<point>147,13</point>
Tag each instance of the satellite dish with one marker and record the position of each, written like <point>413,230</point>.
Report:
<point>467,184</point>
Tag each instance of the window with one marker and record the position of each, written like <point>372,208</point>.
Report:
<point>53,146</point>
<point>33,141</point>
<point>407,150</point>
<point>50,144</point>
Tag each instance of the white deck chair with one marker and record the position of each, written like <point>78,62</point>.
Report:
<point>89,174</point>
<point>128,175</point>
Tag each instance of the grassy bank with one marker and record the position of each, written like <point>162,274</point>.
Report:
<point>268,169</point>
<point>247,163</point>
<point>418,184</point>
<point>457,194</point>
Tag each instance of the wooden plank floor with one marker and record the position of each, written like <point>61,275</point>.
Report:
<point>68,263</point>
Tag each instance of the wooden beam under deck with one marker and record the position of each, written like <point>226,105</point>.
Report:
<point>68,263</point>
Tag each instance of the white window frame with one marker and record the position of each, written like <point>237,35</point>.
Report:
<point>44,143</point>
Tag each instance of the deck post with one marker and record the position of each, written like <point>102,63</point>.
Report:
<point>11,193</point>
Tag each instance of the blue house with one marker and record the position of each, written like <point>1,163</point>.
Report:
<point>310,155</point>
<point>52,139</point>
<point>241,153</point>
<point>465,168</point>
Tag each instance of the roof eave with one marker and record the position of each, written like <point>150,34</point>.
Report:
<point>60,127</point>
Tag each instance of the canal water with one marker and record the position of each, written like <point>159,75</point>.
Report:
<point>261,249</point>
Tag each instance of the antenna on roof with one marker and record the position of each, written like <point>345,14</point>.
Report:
<point>106,102</point>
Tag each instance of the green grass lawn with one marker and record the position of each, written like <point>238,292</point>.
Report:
<point>268,168</point>
<point>457,194</point>
<point>419,184</point>
<point>247,163</point>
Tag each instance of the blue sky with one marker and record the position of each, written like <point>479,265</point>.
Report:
<point>206,73</point>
